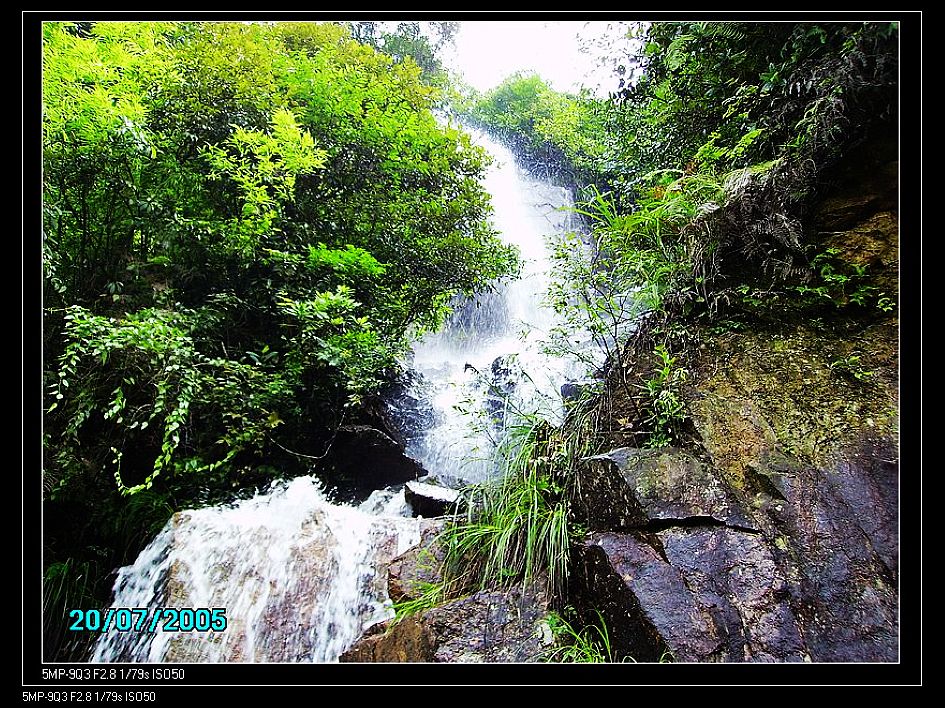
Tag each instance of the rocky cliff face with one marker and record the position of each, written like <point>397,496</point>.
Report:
<point>770,533</point>
<point>774,535</point>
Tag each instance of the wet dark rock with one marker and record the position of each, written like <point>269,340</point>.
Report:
<point>419,566</point>
<point>570,391</point>
<point>488,626</point>
<point>700,594</point>
<point>862,184</point>
<point>788,562</point>
<point>363,458</point>
<point>780,541</point>
<point>639,488</point>
<point>429,500</point>
<point>838,530</point>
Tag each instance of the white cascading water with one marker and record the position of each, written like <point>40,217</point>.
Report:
<point>494,347</point>
<point>301,577</point>
<point>295,573</point>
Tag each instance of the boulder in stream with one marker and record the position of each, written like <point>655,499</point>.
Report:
<point>487,626</point>
<point>429,500</point>
<point>363,458</point>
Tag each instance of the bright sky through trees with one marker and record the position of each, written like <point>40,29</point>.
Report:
<point>487,52</point>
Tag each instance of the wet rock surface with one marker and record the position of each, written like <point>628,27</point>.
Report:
<point>811,575</point>
<point>774,535</point>
<point>419,566</point>
<point>495,626</point>
<point>653,486</point>
<point>500,382</point>
<point>815,459</point>
<point>363,458</point>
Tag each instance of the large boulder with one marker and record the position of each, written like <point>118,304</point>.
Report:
<point>488,626</point>
<point>696,594</point>
<point>363,458</point>
<point>815,456</point>
<point>759,557</point>
<point>638,488</point>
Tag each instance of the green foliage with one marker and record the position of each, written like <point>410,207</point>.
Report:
<point>666,409</point>
<point>352,262</point>
<point>326,328</point>
<point>217,190</point>
<point>590,645</point>
<point>409,41</point>
<point>629,262</point>
<point>131,383</point>
<point>751,87</point>
<point>516,528</point>
<point>265,166</point>
<point>842,282</point>
<point>852,367</point>
<point>710,155</point>
<point>885,303</point>
<point>723,326</point>
<point>544,124</point>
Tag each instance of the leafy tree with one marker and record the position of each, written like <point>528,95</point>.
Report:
<point>244,227</point>
<point>783,84</point>
<point>559,130</point>
<point>263,183</point>
<point>408,40</point>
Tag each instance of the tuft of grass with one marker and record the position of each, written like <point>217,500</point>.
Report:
<point>428,595</point>
<point>590,645</point>
<point>516,528</point>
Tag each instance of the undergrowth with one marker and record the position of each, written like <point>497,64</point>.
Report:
<point>590,645</point>
<point>516,528</point>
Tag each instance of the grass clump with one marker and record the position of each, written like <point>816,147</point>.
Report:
<point>515,528</point>
<point>427,595</point>
<point>590,645</point>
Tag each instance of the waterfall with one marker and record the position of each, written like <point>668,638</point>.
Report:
<point>301,578</point>
<point>295,573</point>
<point>489,361</point>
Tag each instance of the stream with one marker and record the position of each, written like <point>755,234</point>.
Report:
<point>301,577</point>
